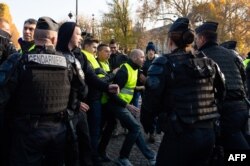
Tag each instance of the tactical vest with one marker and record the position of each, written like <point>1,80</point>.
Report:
<point>191,92</point>
<point>226,61</point>
<point>127,92</point>
<point>44,84</point>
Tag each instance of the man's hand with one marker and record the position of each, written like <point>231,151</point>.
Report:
<point>114,88</point>
<point>133,109</point>
<point>142,78</point>
<point>84,107</point>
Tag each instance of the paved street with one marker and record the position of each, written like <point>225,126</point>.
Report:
<point>136,156</point>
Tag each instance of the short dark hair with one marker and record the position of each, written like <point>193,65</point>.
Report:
<point>30,21</point>
<point>112,41</point>
<point>100,46</point>
<point>89,41</point>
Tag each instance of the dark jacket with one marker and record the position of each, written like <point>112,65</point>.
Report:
<point>231,67</point>
<point>25,45</point>
<point>116,60</point>
<point>64,36</point>
<point>121,79</point>
<point>146,66</point>
<point>97,85</point>
<point>6,46</point>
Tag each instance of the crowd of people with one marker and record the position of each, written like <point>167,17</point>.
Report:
<point>62,95</point>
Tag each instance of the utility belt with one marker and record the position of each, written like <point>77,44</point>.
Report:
<point>54,117</point>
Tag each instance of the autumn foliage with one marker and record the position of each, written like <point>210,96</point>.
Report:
<point>5,13</point>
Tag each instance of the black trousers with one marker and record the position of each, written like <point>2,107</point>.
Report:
<point>193,147</point>
<point>233,123</point>
<point>37,142</point>
<point>84,144</point>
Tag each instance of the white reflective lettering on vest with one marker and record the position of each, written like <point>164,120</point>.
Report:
<point>48,59</point>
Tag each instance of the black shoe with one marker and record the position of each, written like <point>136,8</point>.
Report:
<point>104,157</point>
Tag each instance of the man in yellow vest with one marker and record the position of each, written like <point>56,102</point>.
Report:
<point>27,41</point>
<point>120,106</point>
<point>108,119</point>
<point>94,97</point>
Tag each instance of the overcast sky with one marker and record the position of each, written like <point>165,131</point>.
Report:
<point>56,9</point>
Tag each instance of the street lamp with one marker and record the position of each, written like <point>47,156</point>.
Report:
<point>70,13</point>
<point>76,10</point>
<point>93,24</point>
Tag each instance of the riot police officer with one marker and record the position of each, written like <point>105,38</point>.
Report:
<point>180,88</point>
<point>234,112</point>
<point>39,83</point>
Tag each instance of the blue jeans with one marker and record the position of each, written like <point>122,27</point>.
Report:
<point>136,97</point>
<point>94,121</point>
<point>134,132</point>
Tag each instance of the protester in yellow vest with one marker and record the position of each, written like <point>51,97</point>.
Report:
<point>108,119</point>
<point>119,105</point>
<point>27,41</point>
<point>94,97</point>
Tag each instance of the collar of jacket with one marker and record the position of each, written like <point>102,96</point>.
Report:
<point>207,45</point>
<point>133,65</point>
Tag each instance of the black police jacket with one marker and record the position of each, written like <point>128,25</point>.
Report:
<point>230,66</point>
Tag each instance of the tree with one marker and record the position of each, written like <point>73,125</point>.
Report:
<point>233,18</point>
<point>5,13</point>
<point>117,24</point>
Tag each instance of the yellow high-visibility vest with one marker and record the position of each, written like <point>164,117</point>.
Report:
<point>93,61</point>
<point>127,92</point>
<point>105,67</point>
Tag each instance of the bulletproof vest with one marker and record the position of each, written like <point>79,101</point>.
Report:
<point>226,61</point>
<point>44,84</point>
<point>191,92</point>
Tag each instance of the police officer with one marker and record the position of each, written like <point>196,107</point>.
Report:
<point>233,110</point>
<point>39,83</point>
<point>6,46</point>
<point>231,45</point>
<point>180,87</point>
